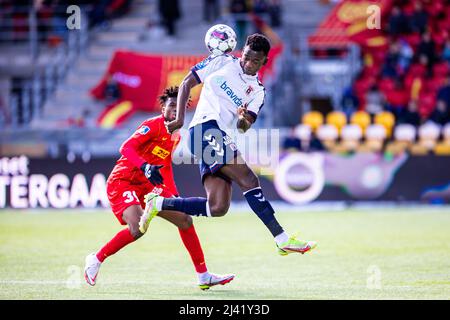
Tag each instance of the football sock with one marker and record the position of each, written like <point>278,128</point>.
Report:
<point>263,210</point>
<point>191,206</point>
<point>281,238</point>
<point>203,277</point>
<point>120,240</point>
<point>193,246</point>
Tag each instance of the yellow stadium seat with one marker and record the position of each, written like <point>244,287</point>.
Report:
<point>387,120</point>
<point>443,147</point>
<point>337,119</point>
<point>313,118</point>
<point>361,118</point>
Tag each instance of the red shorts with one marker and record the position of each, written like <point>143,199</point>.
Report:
<point>123,194</point>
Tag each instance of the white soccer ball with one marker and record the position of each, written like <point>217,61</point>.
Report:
<point>220,39</point>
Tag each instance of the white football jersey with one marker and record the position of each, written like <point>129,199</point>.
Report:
<point>225,88</point>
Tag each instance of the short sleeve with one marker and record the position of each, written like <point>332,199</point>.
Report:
<point>257,103</point>
<point>211,64</point>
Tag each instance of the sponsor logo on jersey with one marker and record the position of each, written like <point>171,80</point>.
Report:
<point>203,63</point>
<point>160,152</point>
<point>143,130</point>
<point>230,92</point>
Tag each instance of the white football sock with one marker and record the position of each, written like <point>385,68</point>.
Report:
<point>282,237</point>
<point>203,277</point>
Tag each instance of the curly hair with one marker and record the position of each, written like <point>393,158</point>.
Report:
<point>171,92</point>
<point>258,42</point>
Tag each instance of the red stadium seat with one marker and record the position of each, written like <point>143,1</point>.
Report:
<point>386,84</point>
<point>417,70</point>
<point>427,103</point>
<point>433,85</point>
<point>413,40</point>
<point>441,69</point>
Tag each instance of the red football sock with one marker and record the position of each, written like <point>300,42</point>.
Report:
<point>120,240</point>
<point>192,244</point>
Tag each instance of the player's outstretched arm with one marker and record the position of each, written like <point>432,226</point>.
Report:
<point>184,93</point>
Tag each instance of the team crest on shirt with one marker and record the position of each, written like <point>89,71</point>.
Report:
<point>143,130</point>
<point>160,152</point>
<point>249,90</point>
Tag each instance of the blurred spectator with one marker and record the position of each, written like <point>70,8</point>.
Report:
<point>440,115</point>
<point>170,13</point>
<point>398,22</point>
<point>443,93</point>
<point>397,99</point>
<point>406,55</point>
<point>427,47</point>
<point>349,101</point>
<point>275,13</point>
<point>260,7</point>
<point>211,10</point>
<point>240,9</point>
<point>374,101</point>
<point>410,115</point>
<point>112,90</point>
<point>419,19</point>
<point>446,51</point>
<point>314,144</point>
<point>391,64</point>
<point>291,142</point>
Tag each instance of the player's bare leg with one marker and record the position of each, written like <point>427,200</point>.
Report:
<point>247,180</point>
<point>218,193</point>
<point>131,216</point>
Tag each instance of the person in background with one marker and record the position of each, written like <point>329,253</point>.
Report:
<point>240,9</point>
<point>211,10</point>
<point>398,22</point>
<point>170,13</point>
<point>419,19</point>
<point>410,115</point>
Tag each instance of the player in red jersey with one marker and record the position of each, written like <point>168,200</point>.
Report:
<point>146,166</point>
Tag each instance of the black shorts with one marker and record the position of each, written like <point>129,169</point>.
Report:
<point>212,147</point>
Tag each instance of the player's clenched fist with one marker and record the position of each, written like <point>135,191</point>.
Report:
<point>173,125</point>
<point>152,173</point>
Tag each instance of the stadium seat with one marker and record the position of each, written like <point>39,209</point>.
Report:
<point>404,137</point>
<point>337,119</point>
<point>351,135</point>
<point>441,69</point>
<point>303,132</point>
<point>387,120</point>
<point>375,135</point>
<point>428,135</point>
<point>443,147</point>
<point>328,135</point>
<point>361,118</point>
<point>313,118</point>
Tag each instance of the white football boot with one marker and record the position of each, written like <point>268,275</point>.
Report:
<point>214,279</point>
<point>91,269</point>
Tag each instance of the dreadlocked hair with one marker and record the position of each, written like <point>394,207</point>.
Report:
<point>171,92</point>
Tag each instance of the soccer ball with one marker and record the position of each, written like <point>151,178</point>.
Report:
<point>220,39</point>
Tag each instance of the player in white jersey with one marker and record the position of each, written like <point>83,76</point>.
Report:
<point>230,88</point>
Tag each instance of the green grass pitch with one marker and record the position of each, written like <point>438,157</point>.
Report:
<point>361,254</point>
